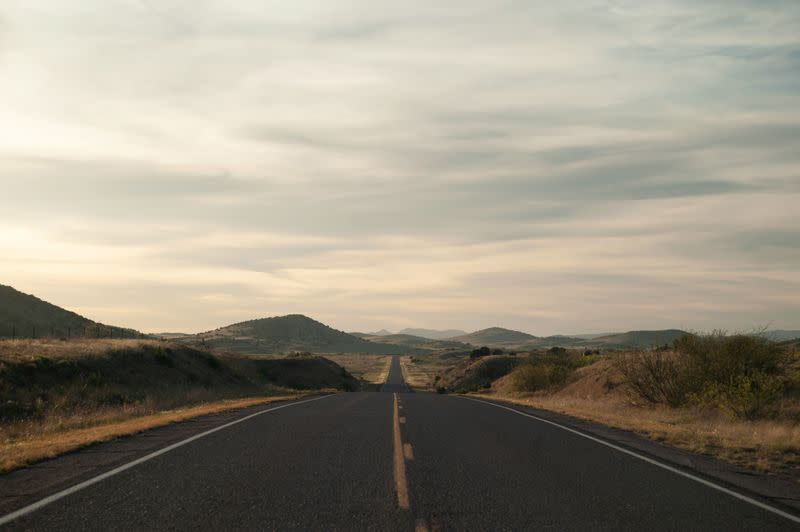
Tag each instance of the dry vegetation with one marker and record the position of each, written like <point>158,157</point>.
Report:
<point>371,370</point>
<point>57,395</point>
<point>421,371</point>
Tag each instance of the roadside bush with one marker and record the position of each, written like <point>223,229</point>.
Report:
<point>544,370</point>
<point>656,377</point>
<point>534,377</point>
<point>740,375</point>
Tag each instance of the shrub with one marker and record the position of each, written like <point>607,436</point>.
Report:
<point>746,397</point>
<point>480,352</point>
<point>533,377</point>
<point>739,374</point>
<point>655,377</point>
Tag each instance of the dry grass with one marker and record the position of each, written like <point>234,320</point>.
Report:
<point>595,393</point>
<point>420,371</point>
<point>25,443</point>
<point>27,349</point>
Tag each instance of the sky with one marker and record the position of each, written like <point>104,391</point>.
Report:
<point>552,167</point>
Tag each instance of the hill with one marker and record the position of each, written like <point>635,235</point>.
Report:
<point>26,316</point>
<point>558,340</point>
<point>433,334</point>
<point>639,338</point>
<point>293,333</point>
<point>496,337</point>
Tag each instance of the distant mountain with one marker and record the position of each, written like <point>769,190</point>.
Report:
<point>496,337</point>
<point>416,341</point>
<point>382,332</point>
<point>171,335</point>
<point>291,333</point>
<point>558,340</point>
<point>26,316</point>
<point>592,336</point>
<point>780,335</point>
<point>434,334</point>
<point>639,338</point>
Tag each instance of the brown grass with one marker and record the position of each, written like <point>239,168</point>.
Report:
<point>596,393</point>
<point>420,371</point>
<point>368,368</point>
<point>27,349</point>
<point>22,444</point>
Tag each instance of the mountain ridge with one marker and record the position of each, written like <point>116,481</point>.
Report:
<point>433,334</point>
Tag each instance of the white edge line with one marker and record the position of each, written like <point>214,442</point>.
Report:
<point>94,480</point>
<point>701,480</point>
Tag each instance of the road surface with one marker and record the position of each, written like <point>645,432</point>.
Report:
<point>390,460</point>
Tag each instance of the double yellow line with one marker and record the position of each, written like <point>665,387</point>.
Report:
<point>401,452</point>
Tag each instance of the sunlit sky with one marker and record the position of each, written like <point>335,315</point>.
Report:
<point>553,167</point>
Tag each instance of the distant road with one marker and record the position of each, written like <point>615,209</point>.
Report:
<point>369,461</point>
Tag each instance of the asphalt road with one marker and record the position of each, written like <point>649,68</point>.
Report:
<point>389,460</point>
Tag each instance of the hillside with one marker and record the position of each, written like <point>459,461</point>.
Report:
<point>293,333</point>
<point>496,337</point>
<point>433,334</point>
<point>26,316</point>
<point>419,342</point>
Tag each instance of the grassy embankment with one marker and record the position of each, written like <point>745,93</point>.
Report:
<point>56,396</point>
<point>734,398</point>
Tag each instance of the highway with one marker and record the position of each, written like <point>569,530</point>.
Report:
<point>387,460</point>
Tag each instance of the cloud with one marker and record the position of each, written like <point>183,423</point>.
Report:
<point>552,167</point>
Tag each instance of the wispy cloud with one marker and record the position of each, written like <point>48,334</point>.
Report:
<point>553,167</point>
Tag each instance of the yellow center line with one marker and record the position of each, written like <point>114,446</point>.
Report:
<point>401,484</point>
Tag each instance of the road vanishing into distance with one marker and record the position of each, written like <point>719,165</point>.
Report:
<point>387,460</point>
